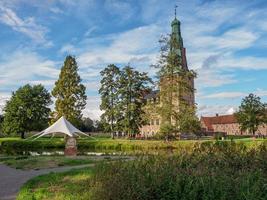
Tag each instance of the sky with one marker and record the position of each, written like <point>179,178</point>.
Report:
<point>226,42</point>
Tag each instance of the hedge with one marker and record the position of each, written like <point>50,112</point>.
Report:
<point>119,145</point>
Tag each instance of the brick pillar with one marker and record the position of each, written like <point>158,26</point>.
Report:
<point>70,147</point>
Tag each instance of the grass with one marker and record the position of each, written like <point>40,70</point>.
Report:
<point>209,171</point>
<point>58,186</point>
<point>8,139</point>
<point>43,162</point>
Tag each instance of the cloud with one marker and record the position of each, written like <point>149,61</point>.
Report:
<point>3,98</point>
<point>225,95</point>
<point>92,108</point>
<point>212,110</point>
<point>208,78</point>
<point>24,66</point>
<point>139,44</point>
<point>26,26</point>
<point>56,10</point>
<point>68,48</point>
<point>234,95</point>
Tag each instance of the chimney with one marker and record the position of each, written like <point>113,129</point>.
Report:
<point>217,114</point>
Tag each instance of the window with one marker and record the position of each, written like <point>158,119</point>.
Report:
<point>157,122</point>
<point>151,122</point>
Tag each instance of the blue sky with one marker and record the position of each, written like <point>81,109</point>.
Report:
<point>226,44</point>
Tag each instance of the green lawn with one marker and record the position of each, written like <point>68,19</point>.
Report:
<point>221,170</point>
<point>58,186</point>
<point>9,139</point>
<point>43,162</point>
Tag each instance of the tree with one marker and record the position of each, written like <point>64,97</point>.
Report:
<point>251,114</point>
<point>1,122</point>
<point>27,110</point>
<point>187,120</point>
<point>176,86</point>
<point>109,92</point>
<point>132,86</point>
<point>69,93</point>
<point>99,126</point>
<point>87,124</point>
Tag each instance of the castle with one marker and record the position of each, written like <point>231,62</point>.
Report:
<point>155,99</point>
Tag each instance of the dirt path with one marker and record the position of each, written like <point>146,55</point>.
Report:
<point>12,179</point>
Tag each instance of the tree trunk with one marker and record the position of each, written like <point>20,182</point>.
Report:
<point>22,135</point>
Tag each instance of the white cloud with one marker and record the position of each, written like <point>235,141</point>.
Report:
<point>68,48</point>
<point>26,26</point>
<point>92,108</point>
<point>56,10</point>
<point>3,98</point>
<point>139,44</point>
<point>234,95</point>
<point>24,66</point>
<point>231,111</point>
<point>212,110</point>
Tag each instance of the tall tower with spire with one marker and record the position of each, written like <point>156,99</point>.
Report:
<point>161,106</point>
<point>178,64</point>
<point>177,45</point>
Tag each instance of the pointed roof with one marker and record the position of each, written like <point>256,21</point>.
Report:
<point>62,125</point>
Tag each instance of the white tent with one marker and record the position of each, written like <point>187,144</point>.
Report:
<point>62,125</point>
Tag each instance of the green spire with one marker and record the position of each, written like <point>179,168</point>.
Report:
<point>176,36</point>
<point>176,31</point>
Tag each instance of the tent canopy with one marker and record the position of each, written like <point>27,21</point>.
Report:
<point>62,125</point>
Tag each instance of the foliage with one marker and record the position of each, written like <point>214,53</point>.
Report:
<point>167,131</point>
<point>1,122</point>
<point>211,171</point>
<point>132,86</point>
<point>121,99</point>
<point>187,120</point>
<point>14,146</point>
<point>99,126</point>
<point>252,113</point>
<point>69,93</point>
<point>87,125</point>
<point>20,147</point>
<point>109,92</point>
<point>27,110</point>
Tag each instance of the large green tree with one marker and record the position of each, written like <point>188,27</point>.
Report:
<point>27,110</point>
<point>132,86</point>
<point>252,113</point>
<point>109,92</point>
<point>69,93</point>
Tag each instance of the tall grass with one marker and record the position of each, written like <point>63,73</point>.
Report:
<point>209,171</point>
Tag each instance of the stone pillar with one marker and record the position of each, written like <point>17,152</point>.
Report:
<point>70,147</point>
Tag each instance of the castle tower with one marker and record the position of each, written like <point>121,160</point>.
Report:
<point>178,46</point>
<point>175,81</point>
<point>170,95</point>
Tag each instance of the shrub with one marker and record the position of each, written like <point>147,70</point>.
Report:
<point>25,146</point>
<point>210,171</point>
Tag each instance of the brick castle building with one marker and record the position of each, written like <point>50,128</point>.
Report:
<point>226,124</point>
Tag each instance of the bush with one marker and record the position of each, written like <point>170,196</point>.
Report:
<point>20,147</point>
<point>210,171</point>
